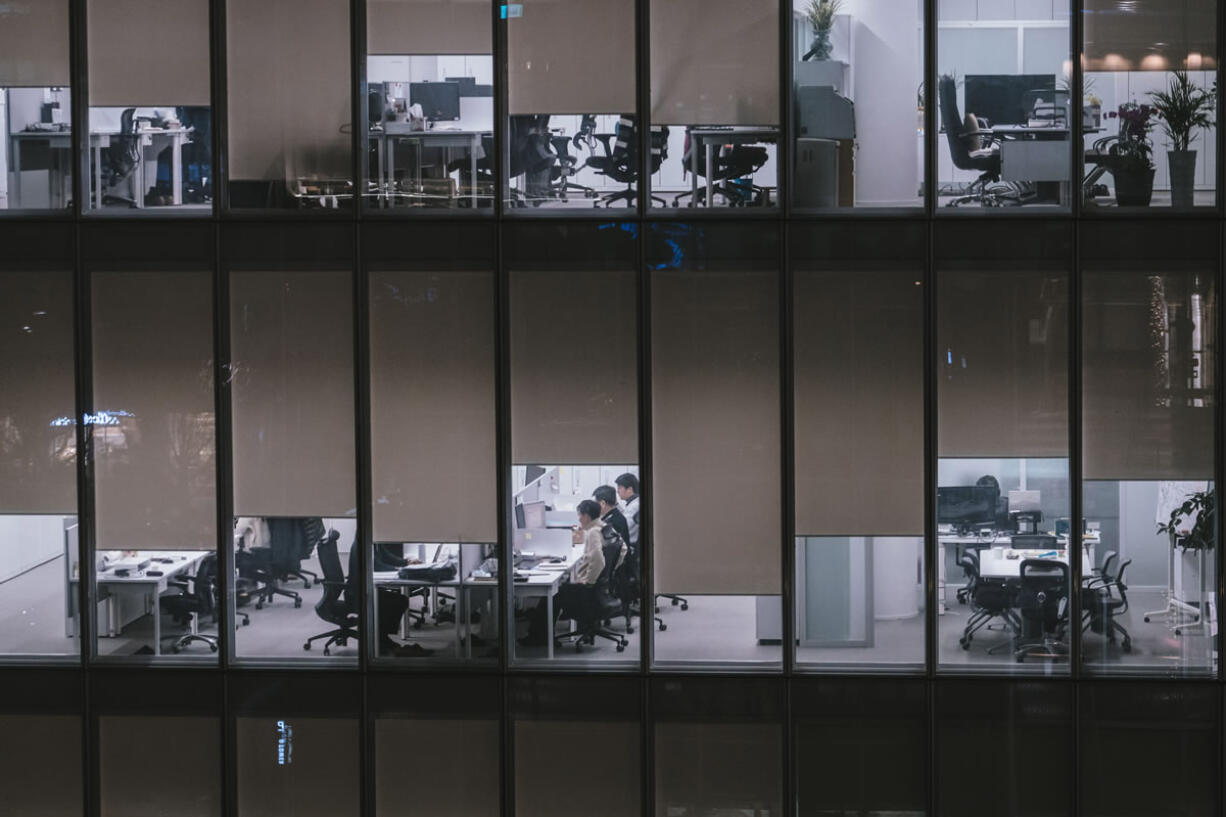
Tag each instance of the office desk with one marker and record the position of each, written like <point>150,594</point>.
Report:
<point>703,142</point>
<point>141,585</point>
<point>60,144</point>
<point>390,579</point>
<point>444,139</point>
<point>985,544</point>
<point>543,583</point>
<point>994,563</point>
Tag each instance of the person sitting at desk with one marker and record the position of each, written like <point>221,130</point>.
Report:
<point>610,514</point>
<point>392,605</point>
<point>572,596</point>
<point>628,492</point>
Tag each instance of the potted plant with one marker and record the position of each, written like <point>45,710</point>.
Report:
<point>821,19</point>
<point>1132,164</point>
<point>1191,525</point>
<point>1184,108</point>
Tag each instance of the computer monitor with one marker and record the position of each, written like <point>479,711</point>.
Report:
<point>534,515</point>
<point>1023,501</point>
<point>439,101</point>
<point>520,516</point>
<point>999,98</point>
<point>465,83</point>
<point>967,506</point>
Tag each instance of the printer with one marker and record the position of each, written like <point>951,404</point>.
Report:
<point>825,147</point>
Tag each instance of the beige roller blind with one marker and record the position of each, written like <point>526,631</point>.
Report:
<point>148,52</point>
<point>574,392</point>
<point>318,775</point>
<point>291,350</point>
<point>459,774</point>
<point>288,63</point>
<point>715,485</point>
<point>715,768</point>
<point>432,406</point>
<point>38,466</point>
<point>1002,364</point>
<point>34,43</point>
<point>859,403</point>
<point>612,747</point>
<point>715,62</point>
<point>571,57</point>
<point>137,775</point>
<point>1147,376</point>
<point>41,773</point>
<point>154,439</point>
<point>428,26</point>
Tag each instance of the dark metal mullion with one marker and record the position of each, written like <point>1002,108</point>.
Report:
<point>367,640</point>
<point>1076,103</point>
<point>78,62</point>
<point>930,107</point>
<point>642,119</point>
<point>1219,460</point>
<point>647,598</point>
<point>1076,500</point>
<point>784,146</point>
<point>219,117</point>
<point>787,506</point>
<point>503,602</point>
<point>501,160</point>
<point>931,605</point>
<point>358,105</point>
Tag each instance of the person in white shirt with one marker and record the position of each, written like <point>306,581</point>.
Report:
<point>628,492</point>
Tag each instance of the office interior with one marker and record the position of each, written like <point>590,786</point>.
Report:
<point>35,158</point>
<point>145,159</point>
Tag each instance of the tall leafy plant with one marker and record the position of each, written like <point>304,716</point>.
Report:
<point>1193,522</point>
<point>1184,108</point>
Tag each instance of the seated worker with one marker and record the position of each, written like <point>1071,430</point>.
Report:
<point>610,514</point>
<point>392,605</point>
<point>628,492</point>
<point>572,596</point>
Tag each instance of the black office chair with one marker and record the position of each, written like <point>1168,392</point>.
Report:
<point>122,157</point>
<point>1102,599</point>
<point>620,161</point>
<point>1033,541</point>
<point>732,170</point>
<point>1042,600</point>
<point>197,598</point>
<point>269,565</point>
<point>969,562</point>
<point>313,532</point>
<point>567,163</point>
<point>1107,569</point>
<point>989,599</point>
<point>973,146</point>
<point>600,603</point>
<point>338,604</point>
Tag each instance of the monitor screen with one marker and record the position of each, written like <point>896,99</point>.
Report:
<point>999,98</point>
<point>967,505</point>
<point>534,515</point>
<point>519,516</point>
<point>439,101</point>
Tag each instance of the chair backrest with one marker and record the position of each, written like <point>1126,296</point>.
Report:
<point>1034,541</point>
<point>206,583</point>
<point>951,121</point>
<point>1108,565</point>
<point>1044,575</point>
<point>329,606</point>
<point>124,152</point>
<point>313,533</point>
<point>1118,582</point>
<point>285,535</point>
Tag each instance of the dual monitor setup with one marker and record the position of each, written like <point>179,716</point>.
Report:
<point>973,508</point>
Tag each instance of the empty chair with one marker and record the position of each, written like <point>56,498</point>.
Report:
<point>1102,599</point>
<point>338,604</point>
<point>989,599</point>
<point>973,146</point>
<point>268,566</point>
<point>122,157</point>
<point>1042,599</point>
<point>620,161</point>
<point>731,173</point>
<point>196,599</point>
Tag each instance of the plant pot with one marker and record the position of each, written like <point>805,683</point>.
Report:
<point>1092,117</point>
<point>1133,188</point>
<point>1183,176</point>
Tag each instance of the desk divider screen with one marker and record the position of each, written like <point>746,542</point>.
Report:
<point>428,26</point>
<point>148,52</point>
<point>34,44</point>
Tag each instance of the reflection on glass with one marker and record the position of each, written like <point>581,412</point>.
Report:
<point>138,776</point>
<point>42,769</point>
<point>850,155</point>
<point>575,556</point>
<point>1150,103</point>
<point>1003,108</point>
<point>300,766</point>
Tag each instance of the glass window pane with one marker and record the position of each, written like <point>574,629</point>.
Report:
<point>153,448</point>
<point>1149,329</point>
<point>137,775</point>
<point>436,54</point>
<point>1150,104</point>
<point>1004,116</point>
<point>299,766</point>
<point>716,439</point>
<point>150,120</point>
<point>977,724</point>
<point>289,104</point>
<point>865,155</point>
<point>291,347</point>
<point>572,131</point>
<point>35,103</point>
<point>38,497</point>
<point>859,445</point>
<point>1003,501</point>
<point>860,747</point>
<point>41,773</point>
<point>714,102</point>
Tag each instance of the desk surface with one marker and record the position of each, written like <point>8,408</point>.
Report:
<point>181,562</point>
<point>1006,563</point>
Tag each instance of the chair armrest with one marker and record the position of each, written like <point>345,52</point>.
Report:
<point>606,139</point>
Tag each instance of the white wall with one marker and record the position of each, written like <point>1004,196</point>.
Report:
<point>28,541</point>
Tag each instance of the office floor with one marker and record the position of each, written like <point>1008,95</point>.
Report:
<point>1161,199</point>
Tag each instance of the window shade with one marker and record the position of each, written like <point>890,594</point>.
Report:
<point>715,62</point>
<point>34,43</point>
<point>148,52</point>
<point>154,484</point>
<point>612,747</point>
<point>1147,376</point>
<point>456,789</point>
<point>428,26</point>
<point>37,462</point>
<point>704,768</point>
<point>289,102</point>
<point>432,406</point>
<point>715,432</point>
<point>1002,364</point>
<point>572,57</point>
<point>859,403</point>
<point>291,349</point>
<point>574,392</point>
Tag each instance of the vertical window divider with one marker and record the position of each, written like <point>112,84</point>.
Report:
<point>1076,492</point>
<point>78,66</point>
<point>357,105</point>
<point>1076,122</point>
<point>220,115</point>
<point>502,144</point>
<point>647,630</point>
<point>930,107</point>
<point>361,408</point>
<point>642,95</point>
<point>783,150</point>
<point>787,462</point>
<point>506,768</point>
<point>929,498</point>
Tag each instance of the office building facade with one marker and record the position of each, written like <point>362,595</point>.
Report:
<point>629,407</point>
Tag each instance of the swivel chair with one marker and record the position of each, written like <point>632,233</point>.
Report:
<point>1043,602</point>
<point>269,565</point>
<point>122,157</point>
<point>1103,599</point>
<point>732,170</point>
<point>973,146</point>
<point>599,604</point>
<point>620,161</point>
<point>989,599</point>
<point>338,604</point>
<point>196,599</point>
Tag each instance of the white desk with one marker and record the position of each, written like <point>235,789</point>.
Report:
<point>1005,540</point>
<point>438,138</point>
<point>60,145</point>
<point>995,562</point>
<point>703,142</point>
<point>390,579</point>
<point>140,584</point>
<point>543,583</point>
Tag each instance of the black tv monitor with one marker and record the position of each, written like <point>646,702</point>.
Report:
<point>967,506</point>
<point>439,101</point>
<point>520,518</point>
<point>998,98</point>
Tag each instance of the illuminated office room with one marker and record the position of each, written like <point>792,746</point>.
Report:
<point>429,104</point>
<point>862,155</point>
<point>35,107</point>
<point>1151,104</point>
<point>1004,76</point>
<point>150,137</point>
